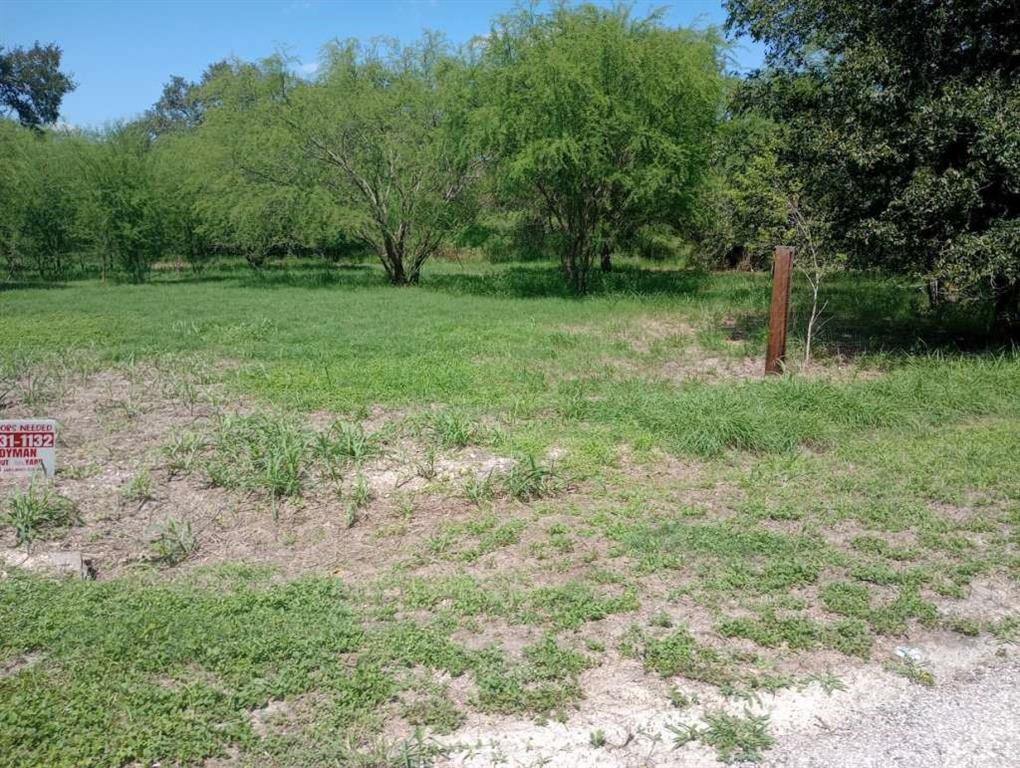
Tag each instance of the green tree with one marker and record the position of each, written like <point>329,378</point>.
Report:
<point>40,187</point>
<point>604,119</point>
<point>253,188</point>
<point>119,214</point>
<point>183,103</point>
<point>373,151</point>
<point>178,180</point>
<point>387,127</point>
<point>744,208</point>
<point>902,125</point>
<point>32,85</point>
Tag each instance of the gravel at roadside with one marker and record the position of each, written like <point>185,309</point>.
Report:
<point>972,721</point>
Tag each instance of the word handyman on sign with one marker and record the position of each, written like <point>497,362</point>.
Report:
<point>28,446</point>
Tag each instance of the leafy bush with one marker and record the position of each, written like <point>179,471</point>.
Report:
<point>657,242</point>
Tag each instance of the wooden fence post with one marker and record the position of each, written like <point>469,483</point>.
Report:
<point>779,312</point>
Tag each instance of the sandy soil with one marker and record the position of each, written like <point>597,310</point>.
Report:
<point>113,425</point>
<point>970,719</point>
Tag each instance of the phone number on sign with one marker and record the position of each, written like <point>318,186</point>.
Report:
<point>27,440</point>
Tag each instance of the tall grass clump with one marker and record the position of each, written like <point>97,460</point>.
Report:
<point>453,430</point>
<point>780,414</point>
<point>259,452</point>
<point>35,511</point>
<point>345,442</point>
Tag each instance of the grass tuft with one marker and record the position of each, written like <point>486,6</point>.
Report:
<point>737,738</point>
<point>528,480</point>
<point>37,511</point>
<point>345,442</point>
<point>259,452</point>
<point>453,430</point>
<point>139,487</point>
<point>174,543</point>
<point>480,489</point>
<point>182,452</point>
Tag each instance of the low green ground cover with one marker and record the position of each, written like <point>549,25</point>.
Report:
<point>659,510</point>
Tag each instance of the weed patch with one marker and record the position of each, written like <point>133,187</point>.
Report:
<point>98,699</point>
<point>854,601</point>
<point>912,671</point>
<point>771,630</point>
<point>736,738</point>
<point>435,711</point>
<point>678,654</point>
<point>545,683</point>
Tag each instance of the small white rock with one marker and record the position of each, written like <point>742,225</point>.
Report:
<point>56,563</point>
<point>910,653</point>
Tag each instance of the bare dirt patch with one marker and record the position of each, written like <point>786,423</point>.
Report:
<point>114,425</point>
<point>987,600</point>
<point>696,364</point>
<point>644,333</point>
<point>14,665</point>
<point>701,367</point>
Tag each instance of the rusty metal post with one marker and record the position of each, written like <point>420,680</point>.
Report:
<point>779,312</point>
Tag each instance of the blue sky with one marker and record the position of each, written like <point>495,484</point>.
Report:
<point>121,53</point>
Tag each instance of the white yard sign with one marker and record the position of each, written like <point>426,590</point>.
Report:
<point>28,446</point>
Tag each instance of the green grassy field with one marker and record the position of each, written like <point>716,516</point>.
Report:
<point>658,501</point>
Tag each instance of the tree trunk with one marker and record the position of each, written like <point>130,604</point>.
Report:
<point>736,257</point>
<point>575,266</point>
<point>575,274</point>
<point>393,260</point>
<point>396,272</point>
<point>607,262</point>
<point>1006,321</point>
